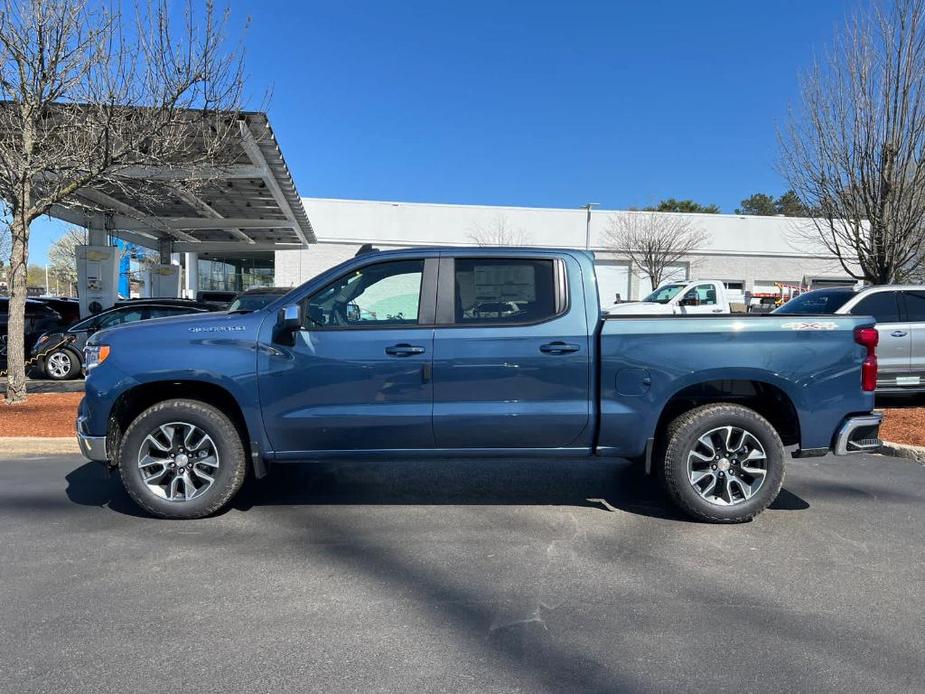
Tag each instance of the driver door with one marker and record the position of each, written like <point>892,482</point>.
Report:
<point>700,299</point>
<point>357,376</point>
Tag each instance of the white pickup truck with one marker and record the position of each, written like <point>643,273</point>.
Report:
<point>682,298</point>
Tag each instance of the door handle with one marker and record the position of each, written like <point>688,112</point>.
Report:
<point>403,350</point>
<point>717,310</point>
<point>898,333</point>
<point>559,348</point>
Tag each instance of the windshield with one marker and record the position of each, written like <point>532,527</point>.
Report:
<point>817,301</point>
<point>252,302</point>
<point>664,294</point>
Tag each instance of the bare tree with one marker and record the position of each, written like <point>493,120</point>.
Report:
<point>4,248</point>
<point>499,233</point>
<point>62,257</point>
<point>88,92</point>
<point>854,149</point>
<point>653,240</point>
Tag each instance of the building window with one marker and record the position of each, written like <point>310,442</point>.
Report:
<point>236,273</point>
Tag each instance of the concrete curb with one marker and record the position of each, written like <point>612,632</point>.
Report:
<point>902,450</point>
<point>38,445</point>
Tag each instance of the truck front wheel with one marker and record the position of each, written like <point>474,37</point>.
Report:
<point>182,459</point>
<point>722,463</point>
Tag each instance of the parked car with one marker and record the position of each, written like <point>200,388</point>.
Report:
<point>900,314</point>
<point>182,407</point>
<point>681,298</point>
<point>38,318</point>
<point>219,300</point>
<point>60,362</point>
<point>67,307</point>
<point>255,298</point>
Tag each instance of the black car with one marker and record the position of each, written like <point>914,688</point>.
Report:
<point>216,298</point>
<point>256,298</point>
<point>62,361</point>
<point>68,308</point>
<point>39,318</point>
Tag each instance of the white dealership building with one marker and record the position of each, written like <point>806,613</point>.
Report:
<point>747,252</point>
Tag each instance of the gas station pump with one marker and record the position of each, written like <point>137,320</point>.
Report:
<point>97,278</point>
<point>162,281</point>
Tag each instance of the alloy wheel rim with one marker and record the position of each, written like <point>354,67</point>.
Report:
<point>178,462</point>
<point>59,364</point>
<point>727,466</point>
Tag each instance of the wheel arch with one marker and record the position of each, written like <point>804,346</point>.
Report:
<point>767,399</point>
<point>137,399</point>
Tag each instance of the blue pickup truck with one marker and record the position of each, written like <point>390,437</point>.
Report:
<point>490,352</point>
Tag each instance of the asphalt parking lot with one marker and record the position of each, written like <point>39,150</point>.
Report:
<point>463,576</point>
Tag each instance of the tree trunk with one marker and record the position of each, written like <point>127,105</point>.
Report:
<point>16,321</point>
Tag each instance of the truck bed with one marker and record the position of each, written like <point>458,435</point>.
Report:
<point>809,363</point>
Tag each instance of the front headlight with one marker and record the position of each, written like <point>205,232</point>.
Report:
<point>94,355</point>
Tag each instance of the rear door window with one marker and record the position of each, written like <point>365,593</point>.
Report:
<point>120,317</point>
<point>915,306</point>
<point>167,311</point>
<point>883,306</point>
<point>504,290</point>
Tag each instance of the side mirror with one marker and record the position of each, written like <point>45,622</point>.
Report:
<point>289,323</point>
<point>292,318</point>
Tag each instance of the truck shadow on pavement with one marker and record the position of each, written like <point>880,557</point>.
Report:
<point>608,485</point>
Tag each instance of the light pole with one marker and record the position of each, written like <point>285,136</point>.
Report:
<point>587,206</point>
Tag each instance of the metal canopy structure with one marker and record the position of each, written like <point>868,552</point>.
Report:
<point>250,204</point>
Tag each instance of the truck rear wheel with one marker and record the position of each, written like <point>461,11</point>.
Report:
<point>182,459</point>
<point>723,463</point>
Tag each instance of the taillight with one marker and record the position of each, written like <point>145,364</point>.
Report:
<point>868,337</point>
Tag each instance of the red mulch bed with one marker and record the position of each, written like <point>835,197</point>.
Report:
<point>904,426</point>
<point>53,414</point>
<point>42,414</point>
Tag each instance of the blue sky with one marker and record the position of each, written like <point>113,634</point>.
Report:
<point>531,103</point>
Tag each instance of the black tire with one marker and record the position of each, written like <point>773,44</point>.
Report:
<point>228,476</point>
<point>62,356</point>
<point>680,440</point>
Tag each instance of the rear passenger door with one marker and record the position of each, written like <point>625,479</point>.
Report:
<point>511,353</point>
<point>915,314</point>
<point>894,349</point>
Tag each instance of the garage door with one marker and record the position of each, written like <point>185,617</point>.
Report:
<point>612,279</point>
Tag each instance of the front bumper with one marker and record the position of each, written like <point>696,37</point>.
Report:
<point>92,447</point>
<point>858,435</point>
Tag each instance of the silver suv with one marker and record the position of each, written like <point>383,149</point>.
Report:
<point>900,314</point>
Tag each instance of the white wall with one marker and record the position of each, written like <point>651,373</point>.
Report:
<point>737,247</point>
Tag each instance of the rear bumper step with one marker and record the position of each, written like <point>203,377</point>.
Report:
<point>859,435</point>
